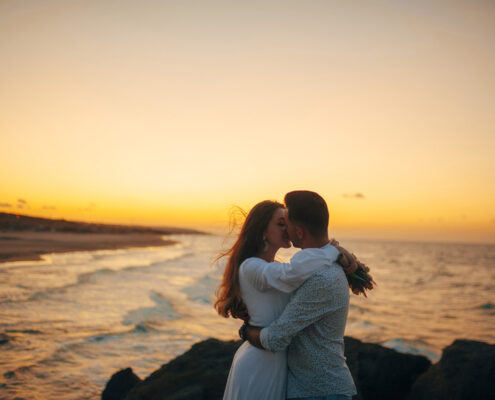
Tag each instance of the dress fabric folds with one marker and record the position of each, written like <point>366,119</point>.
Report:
<point>255,373</point>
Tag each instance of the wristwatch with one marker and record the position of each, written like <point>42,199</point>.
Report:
<point>242,332</point>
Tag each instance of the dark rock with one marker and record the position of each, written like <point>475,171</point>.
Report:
<point>120,384</point>
<point>199,374</point>
<point>465,371</point>
<point>381,373</point>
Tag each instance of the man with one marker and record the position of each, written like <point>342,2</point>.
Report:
<point>313,323</point>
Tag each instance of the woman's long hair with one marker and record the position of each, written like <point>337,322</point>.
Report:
<point>249,244</point>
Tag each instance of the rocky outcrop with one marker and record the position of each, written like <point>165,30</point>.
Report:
<point>465,371</point>
<point>201,373</point>
<point>382,373</point>
<point>120,384</point>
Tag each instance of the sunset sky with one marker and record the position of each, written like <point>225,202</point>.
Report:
<point>173,112</point>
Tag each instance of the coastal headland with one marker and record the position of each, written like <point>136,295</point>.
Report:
<point>25,238</point>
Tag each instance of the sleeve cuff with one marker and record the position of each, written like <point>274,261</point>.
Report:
<point>264,335</point>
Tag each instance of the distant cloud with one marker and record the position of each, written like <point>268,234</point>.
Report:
<point>5,205</point>
<point>49,208</point>
<point>353,196</point>
<point>21,203</point>
<point>90,207</point>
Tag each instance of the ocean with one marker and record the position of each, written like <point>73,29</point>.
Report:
<point>70,321</point>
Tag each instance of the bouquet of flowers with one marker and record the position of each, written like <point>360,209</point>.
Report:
<point>357,273</point>
<point>360,280</point>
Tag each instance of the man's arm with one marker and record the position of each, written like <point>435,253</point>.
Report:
<point>312,301</point>
<point>295,317</point>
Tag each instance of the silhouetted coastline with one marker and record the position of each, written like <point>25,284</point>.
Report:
<point>24,238</point>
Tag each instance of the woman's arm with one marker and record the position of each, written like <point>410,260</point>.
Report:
<point>286,277</point>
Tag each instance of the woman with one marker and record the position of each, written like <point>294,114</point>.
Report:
<point>255,373</point>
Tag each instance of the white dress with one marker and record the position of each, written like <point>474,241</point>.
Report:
<point>255,373</point>
<point>265,287</point>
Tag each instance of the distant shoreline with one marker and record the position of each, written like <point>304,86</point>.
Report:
<point>30,246</point>
<point>26,238</point>
<point>23,223</point>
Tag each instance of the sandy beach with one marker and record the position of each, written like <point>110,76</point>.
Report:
<point>24,238</point>
<point>17,246</point>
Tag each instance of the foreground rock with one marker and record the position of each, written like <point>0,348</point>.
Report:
<point>201,373</point>
<point>465,371</point>
<point>382,373</point>
<point>120,384</point>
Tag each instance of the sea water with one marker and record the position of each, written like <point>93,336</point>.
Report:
<point>70,321</point>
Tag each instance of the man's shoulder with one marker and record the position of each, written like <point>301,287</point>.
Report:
<point>326,285</point>
<point>329,275</point>
<point>323,255</point>
<point>331,271</point>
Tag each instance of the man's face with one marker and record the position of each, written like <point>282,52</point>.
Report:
<point>291,230</point>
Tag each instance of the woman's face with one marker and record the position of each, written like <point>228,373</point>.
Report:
<point>276,231</point>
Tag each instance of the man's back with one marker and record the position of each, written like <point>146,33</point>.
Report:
<point>313,325</point>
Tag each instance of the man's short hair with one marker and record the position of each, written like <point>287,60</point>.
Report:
<point>309,210</point>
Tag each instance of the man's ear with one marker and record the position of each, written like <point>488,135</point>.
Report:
<point>299,232</point>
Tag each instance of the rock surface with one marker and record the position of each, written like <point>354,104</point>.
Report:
<point>382,373</point>
<point>465,371</point>
<point>201,372</point>
<point>120,384</point>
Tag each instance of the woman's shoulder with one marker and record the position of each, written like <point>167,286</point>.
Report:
<point>251,266</point>
<point>252,262</point>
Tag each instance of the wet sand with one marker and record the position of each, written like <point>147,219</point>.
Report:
<point>23,246</point>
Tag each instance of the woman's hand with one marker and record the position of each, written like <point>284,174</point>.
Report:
<point>243,313</point>
<point>347,260</point>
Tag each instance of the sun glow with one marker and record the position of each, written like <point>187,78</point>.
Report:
<point>162,114</point>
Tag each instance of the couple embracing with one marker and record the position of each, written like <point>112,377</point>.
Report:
<point>295,312</point>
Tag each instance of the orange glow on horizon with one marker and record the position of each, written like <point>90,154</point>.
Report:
<point>163,114</point>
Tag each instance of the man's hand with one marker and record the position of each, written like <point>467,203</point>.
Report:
<point>252,334</point>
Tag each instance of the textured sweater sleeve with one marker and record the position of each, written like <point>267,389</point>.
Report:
<point>312,301</point>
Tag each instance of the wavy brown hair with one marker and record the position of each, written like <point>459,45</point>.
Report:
<point>248,244</point>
